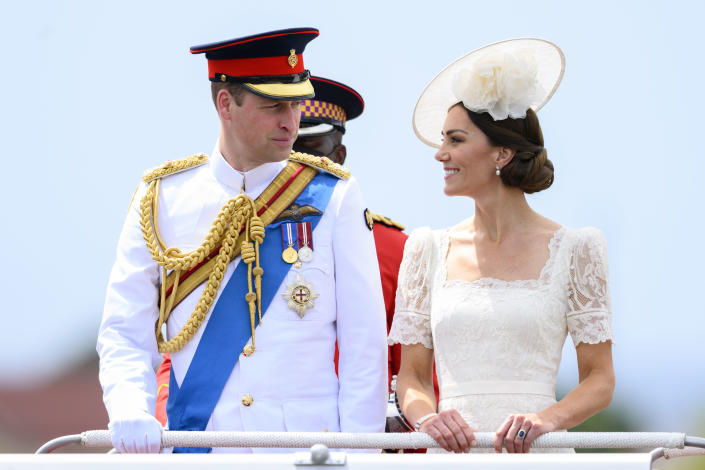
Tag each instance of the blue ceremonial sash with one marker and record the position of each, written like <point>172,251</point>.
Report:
<point>190,406</point>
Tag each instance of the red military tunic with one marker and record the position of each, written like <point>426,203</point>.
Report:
<point>390,242</point>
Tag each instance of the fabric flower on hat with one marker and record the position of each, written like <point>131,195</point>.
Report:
<point>503,85</point>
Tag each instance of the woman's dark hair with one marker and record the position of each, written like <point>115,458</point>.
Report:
<point>530,170</point>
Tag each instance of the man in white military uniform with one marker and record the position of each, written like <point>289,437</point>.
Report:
<point>312,276</point>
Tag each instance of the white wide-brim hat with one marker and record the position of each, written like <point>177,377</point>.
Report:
<point>544,59</point>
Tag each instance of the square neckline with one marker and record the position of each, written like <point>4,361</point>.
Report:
<point>544,274</point>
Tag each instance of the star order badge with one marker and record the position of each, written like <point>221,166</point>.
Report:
<point>300,295</point>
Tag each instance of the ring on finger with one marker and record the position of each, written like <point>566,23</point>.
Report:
<point>521,434</point>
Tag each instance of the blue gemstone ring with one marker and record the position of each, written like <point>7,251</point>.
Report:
<point>521,434</point>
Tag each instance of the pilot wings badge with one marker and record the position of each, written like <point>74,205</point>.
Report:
<point>300,295</point>
<point>296,213</point>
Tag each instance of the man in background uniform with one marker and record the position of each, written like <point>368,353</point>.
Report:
<point>253,239</point>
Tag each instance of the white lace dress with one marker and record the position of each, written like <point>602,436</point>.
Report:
<point>497,344</point>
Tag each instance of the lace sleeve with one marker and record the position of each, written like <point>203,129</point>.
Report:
<point>589,315</point>
<point>412,316</point>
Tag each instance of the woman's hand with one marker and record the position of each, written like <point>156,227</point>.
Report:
<point>593,394</point>
<point>519,431</point>
<point>451,431</point>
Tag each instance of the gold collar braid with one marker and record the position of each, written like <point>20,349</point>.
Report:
<point>238,212</point>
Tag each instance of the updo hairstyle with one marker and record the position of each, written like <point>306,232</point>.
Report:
<point>530,170</point>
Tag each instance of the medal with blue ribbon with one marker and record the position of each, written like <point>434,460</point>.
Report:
<point>289,253</point>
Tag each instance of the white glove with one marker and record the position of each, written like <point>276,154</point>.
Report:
<point>138,434</point>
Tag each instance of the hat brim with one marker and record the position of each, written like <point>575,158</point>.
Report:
<point>283,91</point>
<point>433,104</point>
<point>316,130</point>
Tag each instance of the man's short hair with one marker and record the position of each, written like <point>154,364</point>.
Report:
<point>235,89</point>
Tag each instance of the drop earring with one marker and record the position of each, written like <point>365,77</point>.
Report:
<point>497,171</point>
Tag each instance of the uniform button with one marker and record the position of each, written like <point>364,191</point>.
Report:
<point>247,399</point>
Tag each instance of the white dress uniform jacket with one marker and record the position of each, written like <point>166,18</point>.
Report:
<point>291,376</point>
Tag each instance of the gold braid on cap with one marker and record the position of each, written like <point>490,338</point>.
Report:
<point>238,212</point>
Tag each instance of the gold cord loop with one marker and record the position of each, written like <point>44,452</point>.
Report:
<point>236,213</point>
<point>247,252</point>
<point>256,229</point>
<point>257,234</point>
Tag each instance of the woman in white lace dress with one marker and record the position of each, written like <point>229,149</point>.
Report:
<point>493,298</point>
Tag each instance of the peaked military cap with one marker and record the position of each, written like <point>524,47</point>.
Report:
<point>270,64</point>
<point>334,104</point>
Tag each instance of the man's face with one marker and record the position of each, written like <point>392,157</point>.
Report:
<point>328,145</point>
<point>263,130</point>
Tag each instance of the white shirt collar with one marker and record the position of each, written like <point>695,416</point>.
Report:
<point>255,180</point>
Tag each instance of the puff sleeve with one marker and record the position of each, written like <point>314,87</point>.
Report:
<point>412,316</point>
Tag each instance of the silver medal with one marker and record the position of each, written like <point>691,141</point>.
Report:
<point>305,254</point>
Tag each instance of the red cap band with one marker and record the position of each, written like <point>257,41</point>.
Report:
<point>257,66</point>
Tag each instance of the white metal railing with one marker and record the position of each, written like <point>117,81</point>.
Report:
<point>414,440</point>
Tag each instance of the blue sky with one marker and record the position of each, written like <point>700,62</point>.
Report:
<point>94,93</point>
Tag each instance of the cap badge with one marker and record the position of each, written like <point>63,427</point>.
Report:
<point>293,60</point>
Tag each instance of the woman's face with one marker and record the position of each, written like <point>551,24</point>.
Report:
<point>469,161</point>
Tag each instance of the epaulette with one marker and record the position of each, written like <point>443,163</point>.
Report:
<point>171,167</point>
<point>321,163</point>
<point>380,219</point>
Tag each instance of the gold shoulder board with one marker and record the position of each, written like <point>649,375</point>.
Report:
<point>321,163</point>
<point>386,221</point>
<point>171,167</point>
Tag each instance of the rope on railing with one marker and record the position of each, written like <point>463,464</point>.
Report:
<point>414,440</point>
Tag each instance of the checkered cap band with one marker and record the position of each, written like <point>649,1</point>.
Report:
<point>322,109</point>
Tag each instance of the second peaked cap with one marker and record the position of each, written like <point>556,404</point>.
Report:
<point>334,104</point>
